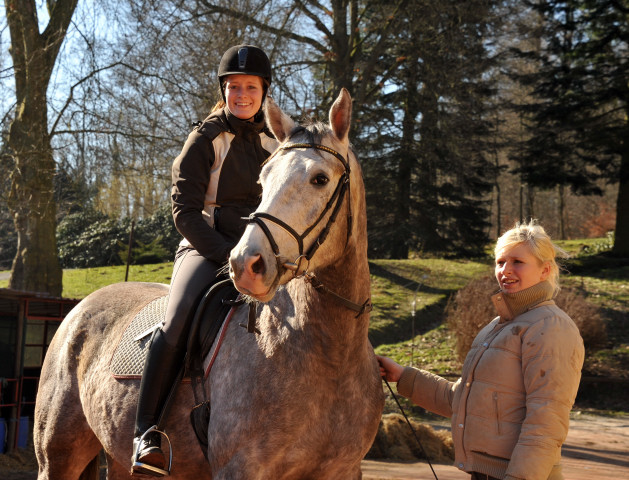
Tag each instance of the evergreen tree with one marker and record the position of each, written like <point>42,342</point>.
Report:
<point>579,122</point>
<point>430,171</point>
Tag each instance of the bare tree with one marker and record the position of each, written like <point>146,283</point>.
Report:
<point>31,199</point>
<point>167,77</point>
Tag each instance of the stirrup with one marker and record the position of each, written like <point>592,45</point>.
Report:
<point>145,468</point>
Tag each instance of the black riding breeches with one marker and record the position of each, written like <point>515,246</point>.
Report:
<point>192,275</point>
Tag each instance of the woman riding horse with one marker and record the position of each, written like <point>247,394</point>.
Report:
<point>215,184</point>
<point>299,398</point>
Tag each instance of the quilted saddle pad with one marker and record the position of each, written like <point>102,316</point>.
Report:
<point>128,359</point>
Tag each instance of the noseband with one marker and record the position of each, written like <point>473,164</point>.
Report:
<point>333,204</point>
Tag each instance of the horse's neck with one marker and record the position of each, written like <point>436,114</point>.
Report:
<point>348,278</point>
<point>326,327</point>
<point>328,316</point>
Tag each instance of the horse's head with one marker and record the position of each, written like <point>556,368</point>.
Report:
<point>303,222</point>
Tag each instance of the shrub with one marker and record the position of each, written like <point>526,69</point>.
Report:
<point>471,309</point>
<point>160,226</point>
<point>90,239</point>
<point>586,315</point>
<point>8,241</point>
<point>145,253</point>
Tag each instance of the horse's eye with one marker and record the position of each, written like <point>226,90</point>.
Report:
<point>320,179</point>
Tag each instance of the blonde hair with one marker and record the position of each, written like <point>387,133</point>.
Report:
<point>535,237</point>
<point>217,106</point>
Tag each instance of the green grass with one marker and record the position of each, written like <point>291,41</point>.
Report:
<point>423,287</point>
<point>585,246</point>
<point>410,298</point>
<point>80,282</point>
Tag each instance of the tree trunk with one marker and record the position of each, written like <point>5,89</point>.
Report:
<point>621,239</point>
<point>407,159</point>
<point>31,200</point>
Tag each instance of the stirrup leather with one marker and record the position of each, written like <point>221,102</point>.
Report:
<point>139,467</point>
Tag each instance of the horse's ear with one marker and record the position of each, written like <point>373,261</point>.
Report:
<point>341,114</point>
<point>278,122</point>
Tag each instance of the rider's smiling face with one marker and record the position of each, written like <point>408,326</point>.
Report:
<point>243,95</point>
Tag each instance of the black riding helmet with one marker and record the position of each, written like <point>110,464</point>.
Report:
<point>245,60</point>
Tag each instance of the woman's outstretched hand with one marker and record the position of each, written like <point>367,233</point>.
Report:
<point>389,370</point>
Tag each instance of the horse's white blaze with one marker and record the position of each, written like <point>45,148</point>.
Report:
<point>253,267</point>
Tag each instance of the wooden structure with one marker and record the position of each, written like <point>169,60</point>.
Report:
<point>28,322</point>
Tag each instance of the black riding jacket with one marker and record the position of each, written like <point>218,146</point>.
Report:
<point>215,182</point>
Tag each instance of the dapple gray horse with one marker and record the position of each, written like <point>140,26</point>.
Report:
<point>299,399</point>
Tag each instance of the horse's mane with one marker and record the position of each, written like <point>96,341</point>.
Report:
<point>313,131</point>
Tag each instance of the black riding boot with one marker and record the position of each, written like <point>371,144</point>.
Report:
<point>163,364</point>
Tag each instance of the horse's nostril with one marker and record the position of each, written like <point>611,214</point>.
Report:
<point>258,266</point>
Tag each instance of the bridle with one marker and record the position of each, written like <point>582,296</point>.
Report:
<point>334,204</point>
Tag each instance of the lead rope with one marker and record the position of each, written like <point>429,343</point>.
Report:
<point>411,427</point>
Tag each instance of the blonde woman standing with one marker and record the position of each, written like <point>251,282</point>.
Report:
<point>510,409</point>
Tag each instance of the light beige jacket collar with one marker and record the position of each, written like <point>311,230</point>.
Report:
<point>510,305</point>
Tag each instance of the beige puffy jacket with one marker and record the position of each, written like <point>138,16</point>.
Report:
<point>510,408</point>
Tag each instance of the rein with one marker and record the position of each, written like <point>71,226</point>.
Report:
<point>408,422</point>
<point>334,204</point>
<point>357,307</point>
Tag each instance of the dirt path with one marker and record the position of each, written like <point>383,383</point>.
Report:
<point>596,448</point>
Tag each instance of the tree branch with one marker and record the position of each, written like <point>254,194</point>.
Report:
<point>212,8</point>
<point>17,47</point>
<point>60,12</point>
<point>317,21</point>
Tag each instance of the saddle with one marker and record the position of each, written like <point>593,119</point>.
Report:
<point>128,359</point>
<point>217,303</point>
<point>210,316</point>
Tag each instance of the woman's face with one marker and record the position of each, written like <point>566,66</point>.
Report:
<point>243,95</point>
<point>517,268</point>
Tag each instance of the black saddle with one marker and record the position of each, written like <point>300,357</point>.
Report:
<point>214,306</point>
<point>208,319</point>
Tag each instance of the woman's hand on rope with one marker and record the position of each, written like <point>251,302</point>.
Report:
<point>389,369</point>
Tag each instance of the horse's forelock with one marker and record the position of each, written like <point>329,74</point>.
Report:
<point>314,132</point>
